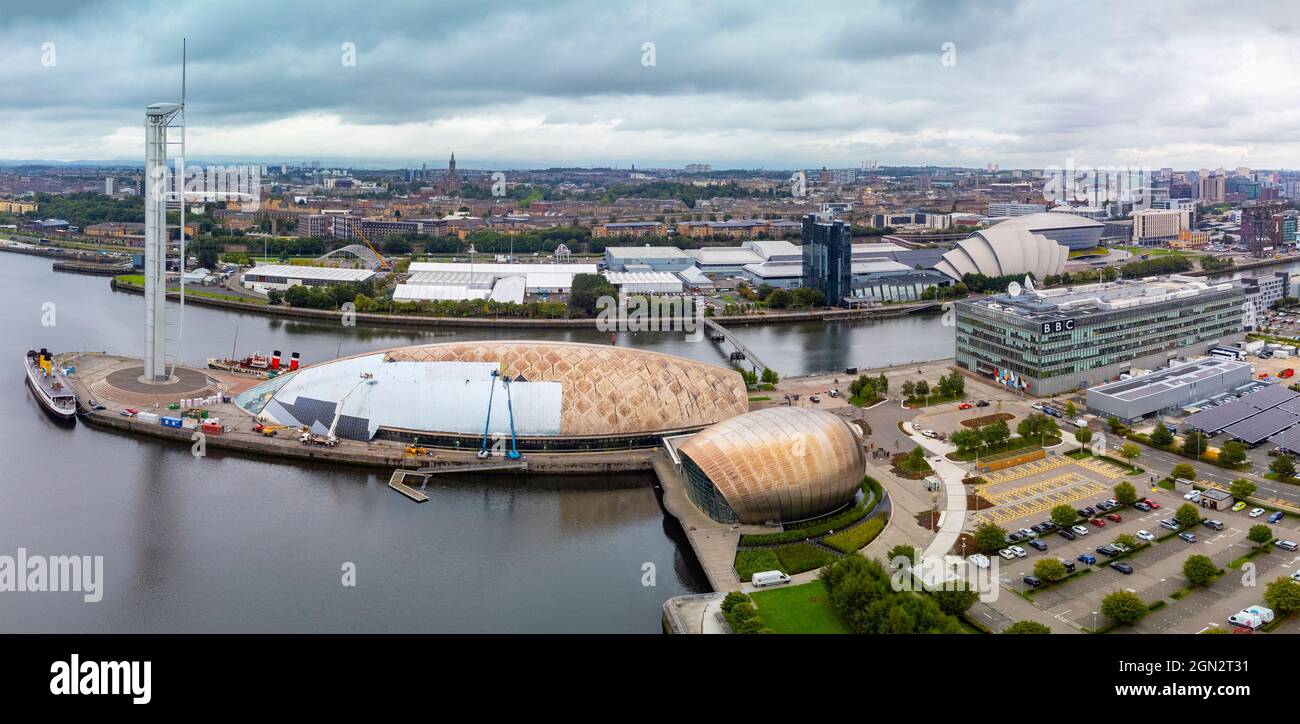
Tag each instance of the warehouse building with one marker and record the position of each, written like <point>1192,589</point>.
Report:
<point>1169,389</point>
<point>646,258</point>
<point>645,282</point>
<point>266,277</point>
<point>1055,340</point>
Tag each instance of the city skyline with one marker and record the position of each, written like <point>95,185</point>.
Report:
<point>730,85</point>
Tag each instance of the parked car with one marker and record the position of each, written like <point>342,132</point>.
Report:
<point>1146,535</point>
<point>1171,524</point>
<point>1087,558</point>
<point>1107,551</point>
<point>1213,524</point>
<point>979,559</point>
<point>1119,547</point>
<point>982,403</point>
<point>1122,567</point>
<point>1038,545</point>
<point>1067,534</point>
<point>1018,551</point>
<point>964,406</point>
<point>1015,536</point>
<point>1029,532</point>
<point>930,433</point>
<point>1189,537</point>
<point>1142,505</point>
<point>1154,505</point>
<point>1289,545</point>
<point>1033,581</point>
<point>1069,566</point>
<point>1079,530</point>
<point>1089,512</point>
<point>129,412</point>
<point>1193,496</point>
<point>1114,518</point>
<point>1098,522</point>
<point>1275,517</point>
<point>815,399</point>
<point>1239,506</point>
<point>1048,525</point>
<point>1252,617</point>
<point>1006,554</point>
<point>1256,512</point>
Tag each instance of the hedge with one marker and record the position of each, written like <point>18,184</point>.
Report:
<point>856,538</point>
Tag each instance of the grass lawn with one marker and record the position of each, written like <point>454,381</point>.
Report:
<point>802,609</point>
<point>1015,443</point>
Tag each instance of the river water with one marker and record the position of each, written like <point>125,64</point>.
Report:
<point>228,543</point>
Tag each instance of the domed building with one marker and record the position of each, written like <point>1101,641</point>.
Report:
<point>781,464</point>
<point>1037,244</point>
<point>560,395</point>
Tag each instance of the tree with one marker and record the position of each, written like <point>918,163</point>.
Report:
<point>586,292</point>
<point>1283,467</point>
<point>1125,493</point>
<point>1232,453</point>
<point>922,389</point>
<point>1050,569</point>
<point>1126,540</point>
<point>1070,410</point>
<point>1129,452</point>
<point>1161,437</point>
<point>1283,596</point>
<point>995,433</point>
<point>909,389</point>
<point>955,602</point>
<point>1194,443</point>
<point>1083,437</point>
<point>1199,569</point>
<point>882,385</point>
<point>966,440</point>
<point>1183,471</point>
<point>1123,607</point>
<point>1242,488</point>
<point>1187,514</point>
<point>902,550</point>
<point>1064,515</point>
<point>1027,627</point>
<point>990,538</point>
<point>779,299</point>
<point>1115,424</point>
<point>1260,534</point>
<point>770,376</point>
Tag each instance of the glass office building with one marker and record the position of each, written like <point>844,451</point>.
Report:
<point>828,258</point>
<point>1056,340</point>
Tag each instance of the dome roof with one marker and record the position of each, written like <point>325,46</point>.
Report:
<point>780,463</point>
<point>1005,249</point>
<point>558,388</point>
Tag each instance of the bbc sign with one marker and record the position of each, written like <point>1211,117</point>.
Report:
<point>1060,325</point>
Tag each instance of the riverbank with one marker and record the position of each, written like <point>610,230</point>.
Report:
<point>413,320</point>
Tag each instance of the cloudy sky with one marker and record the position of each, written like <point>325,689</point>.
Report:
<point>731,83</point>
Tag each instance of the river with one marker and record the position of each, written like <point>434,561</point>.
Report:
<point>229,544</point>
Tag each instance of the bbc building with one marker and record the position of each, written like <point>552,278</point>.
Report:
<point>1056,340</point>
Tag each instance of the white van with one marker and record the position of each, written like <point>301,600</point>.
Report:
<point>768,578</point>
<point>1252,617</point>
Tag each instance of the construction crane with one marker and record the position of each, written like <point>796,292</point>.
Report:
<point>484,452</point>
<point>330,438</point>
<point>384,264</point>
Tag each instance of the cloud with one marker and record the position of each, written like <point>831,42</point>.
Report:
<point>777,84</point>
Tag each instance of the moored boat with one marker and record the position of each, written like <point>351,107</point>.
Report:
<point>50,386</point>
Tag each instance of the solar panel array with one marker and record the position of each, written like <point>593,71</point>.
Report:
<point>1254,430</point>
<point>1289,440</point>
<point>1222,417</point>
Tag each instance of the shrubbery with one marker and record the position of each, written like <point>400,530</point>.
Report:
<point>860,592</point>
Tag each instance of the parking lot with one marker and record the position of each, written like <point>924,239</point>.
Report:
<point>1025,494</point>
<point>1157,568</point>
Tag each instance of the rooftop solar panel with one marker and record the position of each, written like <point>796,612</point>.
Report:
<point>1214,419</point>
<point>1270,397</point>
<point>1257,428</point>
<point>1289,440</point>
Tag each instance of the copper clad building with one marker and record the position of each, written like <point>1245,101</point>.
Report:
<point>778,464</point>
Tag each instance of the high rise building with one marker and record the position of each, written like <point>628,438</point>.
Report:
<point>453,182</point>
<point>828,258</point>
<point>1213,187</point>
<point>108,186</point>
